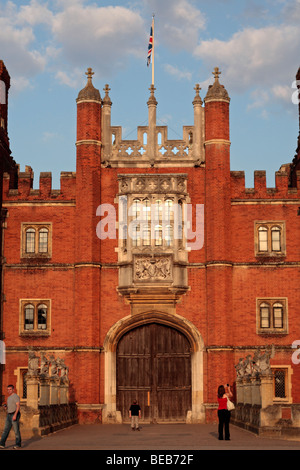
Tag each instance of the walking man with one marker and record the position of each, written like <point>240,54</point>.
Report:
<point>12,418</point>
<point>135,414</point>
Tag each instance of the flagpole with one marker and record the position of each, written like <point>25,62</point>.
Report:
<point>153,50</point>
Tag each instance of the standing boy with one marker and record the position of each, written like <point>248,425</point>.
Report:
<point>135,414</point>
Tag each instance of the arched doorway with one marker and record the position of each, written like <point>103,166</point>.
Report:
<point>111,413</point>
<point>153,365</point>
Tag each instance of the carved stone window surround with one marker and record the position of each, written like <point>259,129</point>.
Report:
<point>155,262</point>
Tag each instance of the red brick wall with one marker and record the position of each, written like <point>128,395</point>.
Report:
<point>225,277</point>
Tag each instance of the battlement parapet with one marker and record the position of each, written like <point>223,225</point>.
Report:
<point>163,152</point>
<point>23,190</point>
<point>260,190</point>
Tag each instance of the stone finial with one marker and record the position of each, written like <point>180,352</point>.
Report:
<point>152,99</point>
<point>106,99</point>
<point>217,91</point>
<point>89,92</point>
<point>197,99</point>
<point>216,73</point>
<point>89,73</point>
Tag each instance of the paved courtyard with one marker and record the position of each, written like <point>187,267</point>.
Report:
<point>159,437</point>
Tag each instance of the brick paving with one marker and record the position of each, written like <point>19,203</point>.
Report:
<point>160,437</point>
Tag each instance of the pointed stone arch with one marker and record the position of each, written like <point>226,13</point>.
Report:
<point>196,414</point>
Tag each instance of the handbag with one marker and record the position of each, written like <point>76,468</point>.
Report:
<point>230,405</point>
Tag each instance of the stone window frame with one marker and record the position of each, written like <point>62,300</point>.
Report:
<point>269,227</point>
<point>37,227</point>
<point>20,373</point>
<point>35,331</point>
<point>271,303</point>
<point>288,372</point>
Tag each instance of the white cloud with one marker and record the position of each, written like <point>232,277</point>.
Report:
<point>178,23</point>
<point>77,34</point>
<point>71,79</point>
<point>102,37</point>
<point>179,74</point>
<point>259,98</point>
<point>254,56</point>
<point>22,62</point>
<point>291,12</point>
<point>282,92</point>
<point>262,60</point>
<point>74,33</point>
<point>34,13</point>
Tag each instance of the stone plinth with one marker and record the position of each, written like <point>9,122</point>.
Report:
<point>255,391</point>
<point>54,390</point>
<point>44,390</point>
<point>32,391</point>
<point>247,390</point>
<point>266,390</point>
<point>64,393</point>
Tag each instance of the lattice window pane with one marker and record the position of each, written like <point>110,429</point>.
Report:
<point>158,211</point>
<point>280,383</point>
<point>29,317</point>
<point>158,235</point>
<point>124,235</point>
<point>278,315</point>
<point>24,379</point>
<point>136,209</point>
<point>30,240</point>
<point>136,238</point>
<point>146,236</point>
<point>276,239</point>
<point>169,235</point>
<point>42,317</point>
<point>263,239</point>
<point>43,240</point>
<point>146,210</point>
<point>265,316</point>
<point>168,212</point>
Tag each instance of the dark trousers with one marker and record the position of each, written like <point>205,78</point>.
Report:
<point>9,423</point>
<point>224,418</point>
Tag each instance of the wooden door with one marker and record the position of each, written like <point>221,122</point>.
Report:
<point>154,367</point>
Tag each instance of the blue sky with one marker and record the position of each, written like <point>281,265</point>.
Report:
<point>48,45</point>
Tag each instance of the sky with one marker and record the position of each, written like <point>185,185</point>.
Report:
<point>47,47</point>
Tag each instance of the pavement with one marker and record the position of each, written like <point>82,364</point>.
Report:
<point>151,437</point>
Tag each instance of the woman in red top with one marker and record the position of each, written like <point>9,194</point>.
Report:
<point>223,413</point>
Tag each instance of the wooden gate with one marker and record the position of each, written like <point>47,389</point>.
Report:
<point>154,367</point>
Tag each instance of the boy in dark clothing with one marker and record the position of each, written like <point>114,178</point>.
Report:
<point>134,415</point>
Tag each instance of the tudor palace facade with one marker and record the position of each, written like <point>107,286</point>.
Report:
<point>152,269</point>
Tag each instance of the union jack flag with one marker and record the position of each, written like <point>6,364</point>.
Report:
<point>150,47</point>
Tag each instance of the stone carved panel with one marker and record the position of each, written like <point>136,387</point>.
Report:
<point>148,268</point>
<point>161,184</point>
